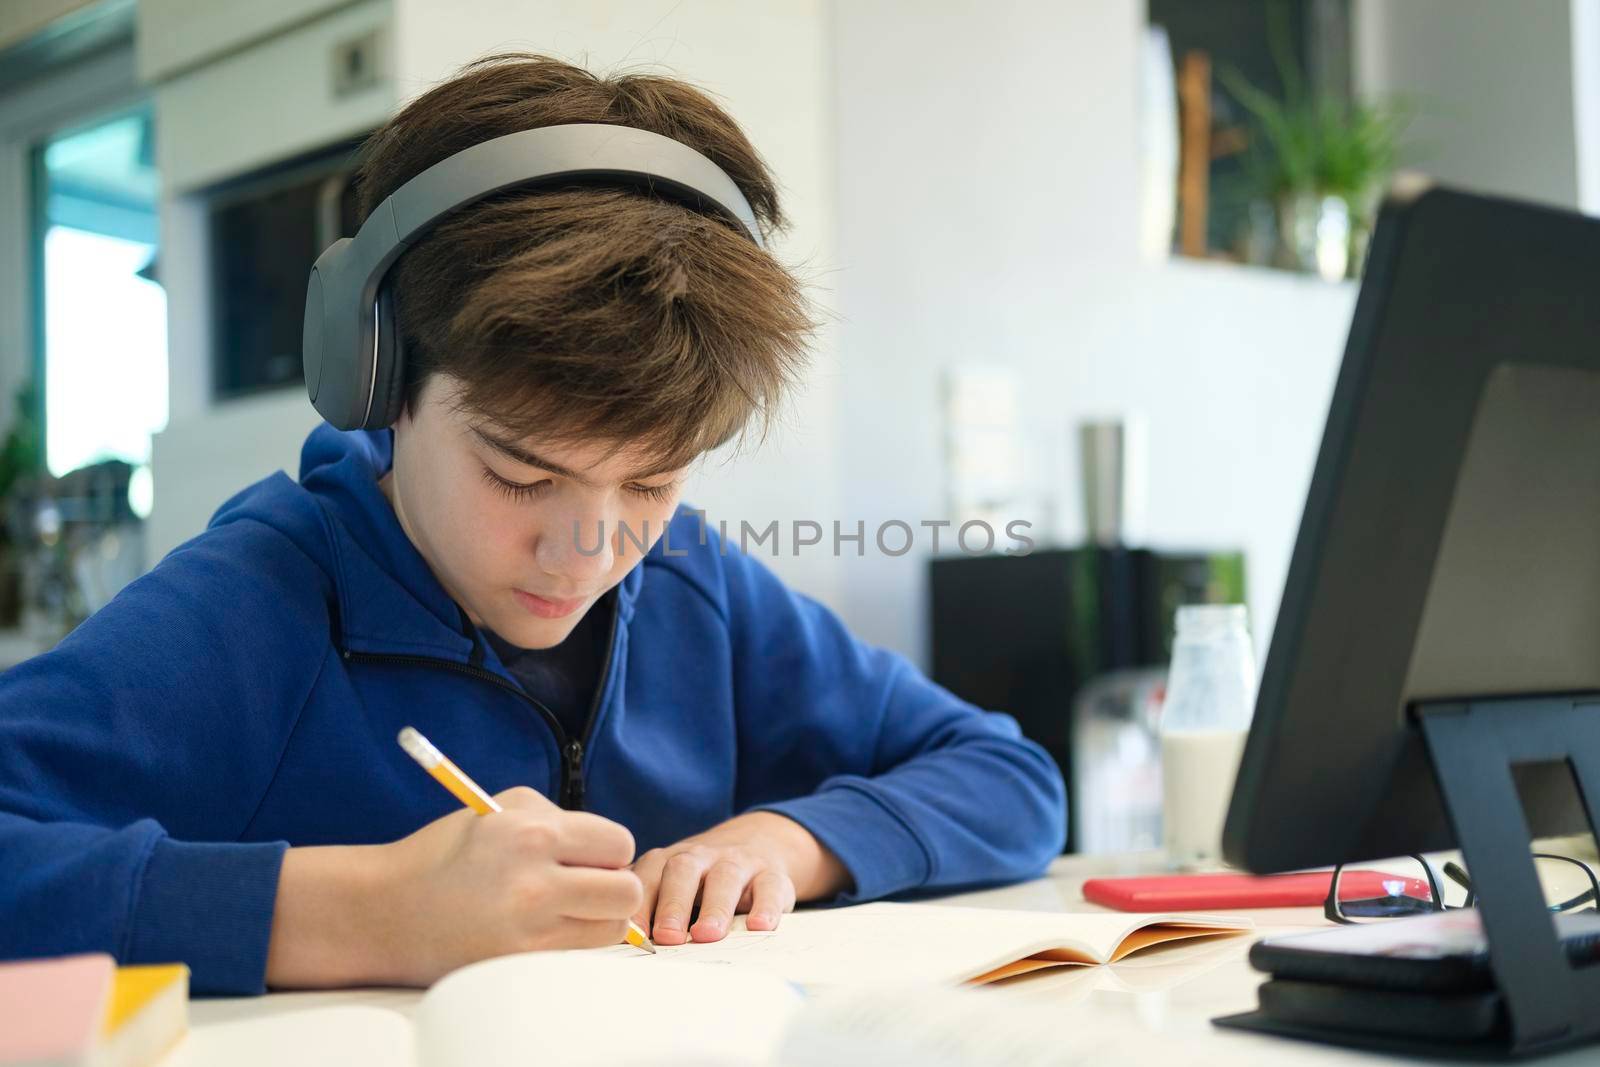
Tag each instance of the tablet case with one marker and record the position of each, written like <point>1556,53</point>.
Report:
<point>1214,892</point>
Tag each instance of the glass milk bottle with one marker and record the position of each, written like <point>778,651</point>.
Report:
<point>1211,694</point>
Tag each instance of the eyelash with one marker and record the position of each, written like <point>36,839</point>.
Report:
<point>517,491</point>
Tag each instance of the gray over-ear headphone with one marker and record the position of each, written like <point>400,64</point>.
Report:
<point>354,363</point>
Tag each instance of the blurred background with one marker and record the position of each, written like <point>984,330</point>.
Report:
<point>1087,266</point>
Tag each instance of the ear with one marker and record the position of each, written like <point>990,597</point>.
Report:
<point>403,404</point>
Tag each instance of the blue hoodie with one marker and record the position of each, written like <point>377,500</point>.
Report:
<point>244,696</point>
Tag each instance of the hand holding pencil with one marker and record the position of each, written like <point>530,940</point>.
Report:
<point>472,795</point>
<point>462,888</point>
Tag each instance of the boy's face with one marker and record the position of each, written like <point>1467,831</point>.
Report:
<point>495,516</point>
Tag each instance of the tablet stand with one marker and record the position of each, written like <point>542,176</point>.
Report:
<point>1473,745</point>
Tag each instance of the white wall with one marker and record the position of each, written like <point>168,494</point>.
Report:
<point>1493,83</point>
<point>988,212</point>
<point>1586,100</point>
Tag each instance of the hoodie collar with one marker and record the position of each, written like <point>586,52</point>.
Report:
<point>389,600</point>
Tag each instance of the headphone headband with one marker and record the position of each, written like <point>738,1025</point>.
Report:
<point>351,349</point>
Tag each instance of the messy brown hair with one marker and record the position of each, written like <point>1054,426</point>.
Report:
<point>590,312</point>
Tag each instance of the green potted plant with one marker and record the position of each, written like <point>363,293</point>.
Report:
<point>1321,161</point>
<point>21,459</point>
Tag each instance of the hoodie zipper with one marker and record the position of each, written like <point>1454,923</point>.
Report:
<point>571,790</point>
<point>575,748</point>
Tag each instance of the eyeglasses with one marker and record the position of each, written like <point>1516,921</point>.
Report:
<point>1363,893</point>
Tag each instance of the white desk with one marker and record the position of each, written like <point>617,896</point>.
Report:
<point>1149,1001</point>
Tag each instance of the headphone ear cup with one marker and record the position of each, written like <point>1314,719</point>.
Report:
<point>389,371</point>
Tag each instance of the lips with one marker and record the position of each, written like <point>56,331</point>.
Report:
<point>548,607</point>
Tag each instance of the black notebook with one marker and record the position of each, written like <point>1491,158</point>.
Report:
<point>1422,985</point>
<point>1444,952</point>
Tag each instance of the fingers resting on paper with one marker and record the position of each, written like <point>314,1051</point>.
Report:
<point>758,864</point>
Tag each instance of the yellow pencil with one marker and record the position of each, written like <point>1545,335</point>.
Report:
<point>472,795</point>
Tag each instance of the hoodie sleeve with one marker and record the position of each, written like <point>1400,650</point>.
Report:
<point>133,755</point>
<point>909,786</point>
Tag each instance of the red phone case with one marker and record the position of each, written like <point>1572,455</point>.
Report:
<point>1221,892</point>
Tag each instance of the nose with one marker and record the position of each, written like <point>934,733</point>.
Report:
<point>578,550</point>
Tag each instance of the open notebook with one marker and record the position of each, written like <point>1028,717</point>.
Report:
<point>734,1001</point>
<point>540,1008</point>
<point>886,944</point>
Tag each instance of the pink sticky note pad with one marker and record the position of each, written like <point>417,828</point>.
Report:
<point>53,1008</point>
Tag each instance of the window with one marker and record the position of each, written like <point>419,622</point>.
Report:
<point>104,337</point>
<point>267,229</point>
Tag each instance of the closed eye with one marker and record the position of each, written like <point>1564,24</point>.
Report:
<point>533,490</point>
<point>659,493</point>
<point>517,490</point>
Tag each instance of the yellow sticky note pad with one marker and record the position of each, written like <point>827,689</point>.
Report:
<point>136,987</point>
<point>148,1013</point>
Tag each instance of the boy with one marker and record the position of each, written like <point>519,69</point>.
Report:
<point>207,771</point>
